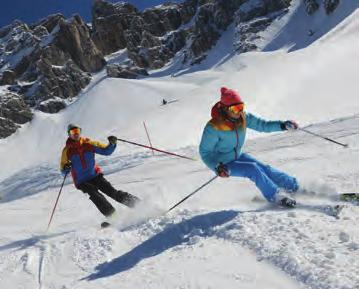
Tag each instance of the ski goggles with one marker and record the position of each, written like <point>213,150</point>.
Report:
<point>75,131</point>
<point>236,108</point>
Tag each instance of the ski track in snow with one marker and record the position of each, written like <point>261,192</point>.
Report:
<point>285,238</point>
<point>320,254</point>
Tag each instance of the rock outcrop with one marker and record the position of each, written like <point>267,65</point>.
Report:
<point>330,5</point>
<point>125,71</point>
<point>45,63</point>
<point>13,112</point>
<point>253,17</point>
<point>311,6</point>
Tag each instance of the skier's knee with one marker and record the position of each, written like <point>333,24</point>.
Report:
<point>253,169</point>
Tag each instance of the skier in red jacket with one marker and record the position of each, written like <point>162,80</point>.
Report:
<point>78,157</point>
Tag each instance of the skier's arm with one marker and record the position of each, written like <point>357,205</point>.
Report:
<point>207,146</point>
<point>262,125</point>
<point>64,160</point>
<point>101,148</point>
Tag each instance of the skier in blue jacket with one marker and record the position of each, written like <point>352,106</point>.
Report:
<point>78,158</point>
<point>222,141</point>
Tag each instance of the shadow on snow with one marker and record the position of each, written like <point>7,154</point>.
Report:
<point>172,236</point>
<point>29,242</point>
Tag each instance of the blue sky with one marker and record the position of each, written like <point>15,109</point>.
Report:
<point>31,10</point>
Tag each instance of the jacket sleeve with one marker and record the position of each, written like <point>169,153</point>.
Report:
<point>64,160</point>
<point>207,146</point>
<point>101,148</point>
<point>259,124</point>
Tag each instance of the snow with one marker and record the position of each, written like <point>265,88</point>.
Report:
<point>224,236</point>
<point>293,30</point>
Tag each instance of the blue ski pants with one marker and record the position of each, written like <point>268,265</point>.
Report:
<point>267,179</point>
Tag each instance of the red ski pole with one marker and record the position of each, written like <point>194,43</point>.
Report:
<point>155,149</point>
<point>148,136</point>
<point>57,200</point>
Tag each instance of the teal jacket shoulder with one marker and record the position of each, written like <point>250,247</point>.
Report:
<point>223,145</point>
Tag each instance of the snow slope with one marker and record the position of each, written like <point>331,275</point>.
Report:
<point>297,29</point>
<point>220,237</point>
<point>205,243</point>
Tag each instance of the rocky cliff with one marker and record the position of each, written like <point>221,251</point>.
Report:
<point>45,63</point>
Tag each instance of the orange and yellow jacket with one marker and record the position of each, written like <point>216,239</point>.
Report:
<point>81,153</point>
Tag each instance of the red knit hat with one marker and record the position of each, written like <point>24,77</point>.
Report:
<point>229,97</point>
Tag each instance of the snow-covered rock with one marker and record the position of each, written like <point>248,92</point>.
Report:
<point>13,113</point>
<point>54,57</point>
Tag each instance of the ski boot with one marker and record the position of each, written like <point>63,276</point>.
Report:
<point>282,199</point>
<point>287,202</point>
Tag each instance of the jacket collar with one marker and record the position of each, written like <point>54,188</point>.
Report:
<point>70,142</point>
<point>220,121</point>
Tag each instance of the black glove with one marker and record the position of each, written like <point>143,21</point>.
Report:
<point>222,171</point>
<point>289,125</point>
<point>67,167</point>
<point>112,139</point>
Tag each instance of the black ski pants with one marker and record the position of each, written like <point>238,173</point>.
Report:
<point>92,188</point>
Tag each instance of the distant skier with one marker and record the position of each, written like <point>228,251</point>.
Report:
<point>164,102</point>
<point>222,141</point>
<point>78,157</point>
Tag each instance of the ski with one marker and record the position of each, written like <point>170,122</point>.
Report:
<point>330,210</point>
<point>169,102</point>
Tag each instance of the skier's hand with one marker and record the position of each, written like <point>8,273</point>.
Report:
<point>222,171</point>
<point>290,125</point>
<point>67,167</point>
<point>112,139</point>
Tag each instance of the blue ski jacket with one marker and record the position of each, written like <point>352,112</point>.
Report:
<point>82,156</point>
<point>222,141</point>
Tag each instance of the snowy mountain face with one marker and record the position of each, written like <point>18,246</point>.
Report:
<point>46,64</point>
<point>304,67</point>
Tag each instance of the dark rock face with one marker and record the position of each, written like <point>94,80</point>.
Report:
<point>47,62</point>
<point>64,81</point>
<point>311,6</point>
<point>249,10</point>
<point>159,21</point>
<point>330,5</point>
<point>8,78</point>
<point>213,17</point>
<point>151,38</point>
<point>124,71</point>
<point>110,21</point>
<point>253,17</point>
<point>74,38</point>
<point>7,127</point>
<point>49,23</point>
<point>13,111</point>
<point>52,105</point>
